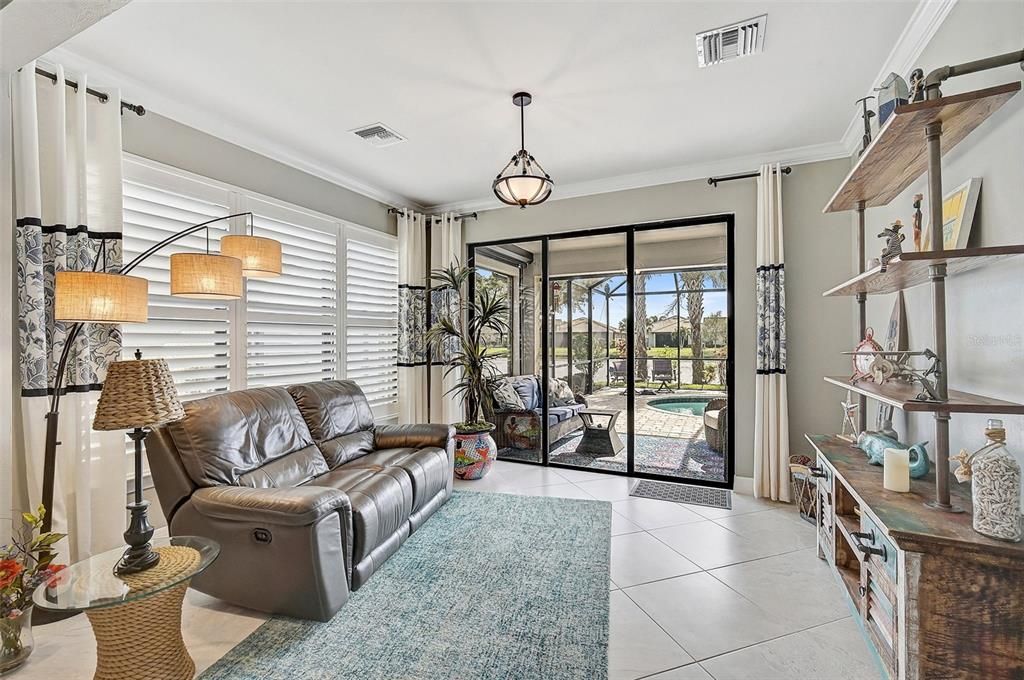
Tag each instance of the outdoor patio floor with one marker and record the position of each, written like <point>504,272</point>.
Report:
<point>670,444</point>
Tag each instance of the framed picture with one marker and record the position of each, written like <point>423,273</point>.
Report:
<point>957,216</point>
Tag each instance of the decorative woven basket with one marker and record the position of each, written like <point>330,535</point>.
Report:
<point>803,486</point>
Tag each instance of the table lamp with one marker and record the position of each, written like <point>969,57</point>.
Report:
<point>138,395</point>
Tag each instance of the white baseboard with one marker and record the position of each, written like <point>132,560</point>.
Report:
<point>743,485</point>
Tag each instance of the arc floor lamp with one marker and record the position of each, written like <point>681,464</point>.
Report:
<point>83,297</point>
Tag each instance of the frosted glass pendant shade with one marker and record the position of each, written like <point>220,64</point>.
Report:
<point>261,257</point>
<point>98,297</point>
<point>206,277</point>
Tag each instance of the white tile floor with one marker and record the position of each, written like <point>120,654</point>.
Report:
<point>696,593</point>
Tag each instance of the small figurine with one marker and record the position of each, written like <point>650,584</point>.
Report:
<point>917,221</point>
<point>892,93</point>
<point>867,114</point>
<point>916,86</point>
<point>893,243</point>
<point>850,408</point>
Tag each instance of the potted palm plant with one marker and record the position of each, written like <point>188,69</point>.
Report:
<point>458,338</point>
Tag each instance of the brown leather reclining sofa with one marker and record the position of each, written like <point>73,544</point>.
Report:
<point>306,497</point>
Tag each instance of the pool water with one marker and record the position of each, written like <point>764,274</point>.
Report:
<point>692,406</point>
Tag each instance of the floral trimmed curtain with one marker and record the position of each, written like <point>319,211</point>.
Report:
<point>771,409</point>
<point>422,383</point>
<point>68,205</point>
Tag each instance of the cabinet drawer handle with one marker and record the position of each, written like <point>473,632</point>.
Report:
<point>862,590</point>
<point>869,549</point>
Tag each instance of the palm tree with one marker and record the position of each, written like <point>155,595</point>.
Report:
<point>693,283</point>
<point>640,327</point>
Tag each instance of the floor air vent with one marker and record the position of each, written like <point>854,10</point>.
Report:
<point>379,135</point>
<point>683,493</point>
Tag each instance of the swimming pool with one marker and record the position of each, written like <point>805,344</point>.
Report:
<point>690,406</point>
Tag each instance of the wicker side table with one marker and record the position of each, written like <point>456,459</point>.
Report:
<point>136,618</point>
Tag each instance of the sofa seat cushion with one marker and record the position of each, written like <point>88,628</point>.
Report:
<point>563,413</point>
<point>427,469</point>
<point>381,504</point>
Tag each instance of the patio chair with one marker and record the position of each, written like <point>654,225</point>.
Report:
<point>716,424</point>
<point>663,373</point>
<point>617,372</point>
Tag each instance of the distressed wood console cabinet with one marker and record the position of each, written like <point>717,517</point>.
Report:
<point>934,598</point>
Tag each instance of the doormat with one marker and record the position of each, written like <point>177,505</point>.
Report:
<point>683,493</point>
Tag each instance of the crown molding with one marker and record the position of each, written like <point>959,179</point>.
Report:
<point>682,173</point>
<point>920,29</point>
<point>181,111</point>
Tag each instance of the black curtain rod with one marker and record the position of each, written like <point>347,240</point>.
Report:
<point>102,96</point>
<point>463,216</point>
<point>713,181</point>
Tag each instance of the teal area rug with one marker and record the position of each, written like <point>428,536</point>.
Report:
<point>492,587</point>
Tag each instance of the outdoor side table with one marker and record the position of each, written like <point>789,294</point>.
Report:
<point>599,436</point>
<point>136,618</point>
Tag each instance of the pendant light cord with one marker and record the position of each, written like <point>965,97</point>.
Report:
<point>522,127</point>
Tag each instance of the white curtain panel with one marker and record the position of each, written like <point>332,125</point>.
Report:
<point>412,318</point>
<point>771,410</point>
<point>445,249</point>
<point>68,205</point>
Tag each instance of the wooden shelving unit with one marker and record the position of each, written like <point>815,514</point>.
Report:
<point>903,396</point>
<point>911,269</point>
<point>898,155</point>
<point>910,570</point>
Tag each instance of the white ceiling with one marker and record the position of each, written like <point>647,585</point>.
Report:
<point>617,92</point>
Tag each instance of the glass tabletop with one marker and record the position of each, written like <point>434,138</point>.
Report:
<point>92,583</point>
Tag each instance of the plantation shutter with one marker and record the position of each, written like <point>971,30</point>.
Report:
<point>192,335</point>
<point>292,320</point>
<point>371,311</point>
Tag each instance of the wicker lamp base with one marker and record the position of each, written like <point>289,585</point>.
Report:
<point>142,638</point>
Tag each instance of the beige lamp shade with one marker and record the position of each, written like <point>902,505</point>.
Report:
<point>261,257</point>
<point>98,297</point>
<point>206,277</point>
<point>137,393</point>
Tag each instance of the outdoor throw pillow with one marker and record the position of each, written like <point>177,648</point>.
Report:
<point>506,398</point>
<point>559,393</point>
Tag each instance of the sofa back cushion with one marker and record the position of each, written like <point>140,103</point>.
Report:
<point>528,388</point>
<point>251,438</point>
<point>339,418</point>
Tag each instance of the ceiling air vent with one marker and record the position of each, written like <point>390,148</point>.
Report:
<point>731,42</point>
<point>379,135</point>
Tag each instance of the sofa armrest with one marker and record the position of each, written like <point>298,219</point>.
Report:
<point>412,436</point>
<point>292,506</point>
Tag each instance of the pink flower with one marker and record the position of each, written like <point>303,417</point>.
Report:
<point>15,613</point>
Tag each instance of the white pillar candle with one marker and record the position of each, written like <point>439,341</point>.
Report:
<point>896,470</point>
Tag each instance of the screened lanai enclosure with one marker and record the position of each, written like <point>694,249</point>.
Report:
<point>617,358</point>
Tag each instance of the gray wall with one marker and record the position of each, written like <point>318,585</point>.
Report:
<point>817,247</point>
<point>161,139</point>
<point>985,317</point>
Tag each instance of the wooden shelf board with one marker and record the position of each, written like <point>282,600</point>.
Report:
<point>905,515</point>
<point>901,395</point>
<point>898,155</point>
<point>911,269</point>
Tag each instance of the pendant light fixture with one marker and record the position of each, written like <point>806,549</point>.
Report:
<point>523,181</point>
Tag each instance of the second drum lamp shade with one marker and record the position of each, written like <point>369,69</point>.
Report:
<point>206,277</point>
<point>261,257</point>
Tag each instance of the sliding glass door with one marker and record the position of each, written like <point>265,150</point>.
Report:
<point>618,349</point>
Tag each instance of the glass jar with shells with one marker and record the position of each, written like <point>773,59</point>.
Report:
<point>995,485</point>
